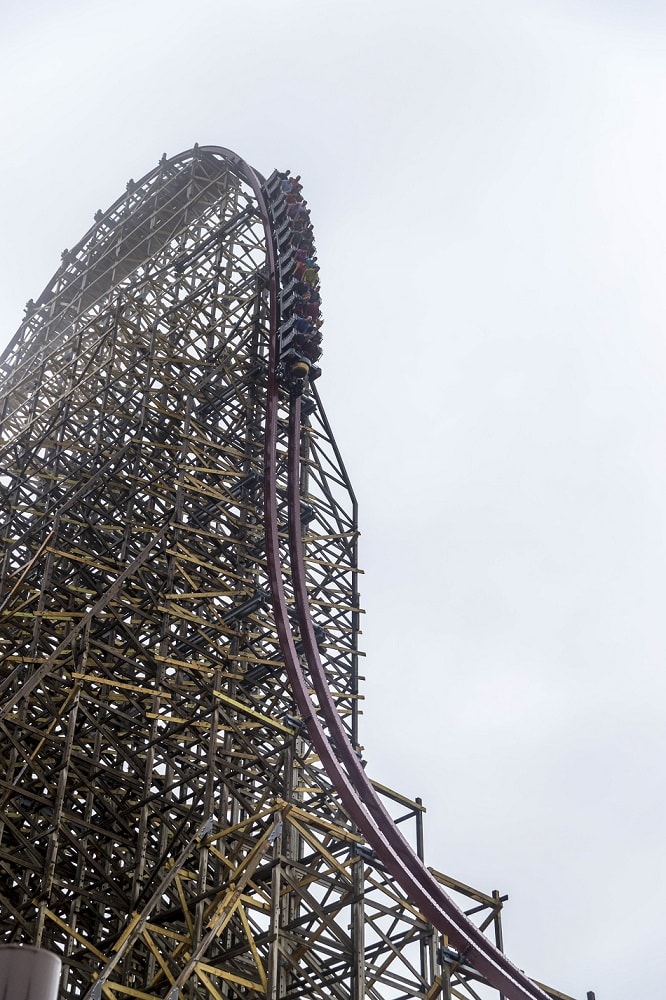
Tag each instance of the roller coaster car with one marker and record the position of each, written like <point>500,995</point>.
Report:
<point>274,182</point>
<point>278,210</point>
<point>292,372</point>
<point>290,338</point>
<point>294,369</point>
<point>284,234</point>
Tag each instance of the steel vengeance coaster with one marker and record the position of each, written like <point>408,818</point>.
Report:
<point>184,808</point>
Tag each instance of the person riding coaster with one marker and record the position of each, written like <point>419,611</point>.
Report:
<point>308,345</point>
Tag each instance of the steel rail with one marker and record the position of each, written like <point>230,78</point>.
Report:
<point>423,889</point>
<point>358,797</point>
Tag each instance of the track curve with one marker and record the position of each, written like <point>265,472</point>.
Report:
<point>358,796</point>
<point>324,725</point>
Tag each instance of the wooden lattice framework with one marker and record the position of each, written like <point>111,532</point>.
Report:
<point>165,824</point>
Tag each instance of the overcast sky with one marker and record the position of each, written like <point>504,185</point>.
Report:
<point>487,180</point>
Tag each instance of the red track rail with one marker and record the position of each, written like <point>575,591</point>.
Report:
<point>377,825</point>
<point>357,794</point>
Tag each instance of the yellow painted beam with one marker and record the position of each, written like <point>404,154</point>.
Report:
<point>266,719</point>
<point>223,974</point>
<point>128,930</point>
<point>72,933</point>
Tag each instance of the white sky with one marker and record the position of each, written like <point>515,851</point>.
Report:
<point>487,183</point>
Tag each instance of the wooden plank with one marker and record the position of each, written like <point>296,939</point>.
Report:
<point>253,713</point>
<point>73,934</point>
<point>230,976</point>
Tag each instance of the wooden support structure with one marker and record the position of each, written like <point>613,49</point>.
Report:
<point>165,826</point>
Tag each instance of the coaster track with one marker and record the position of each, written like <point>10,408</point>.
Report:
<point>330,736</point>
<point>358,796</point>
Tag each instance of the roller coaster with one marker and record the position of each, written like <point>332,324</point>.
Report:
<point>185,807</point>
